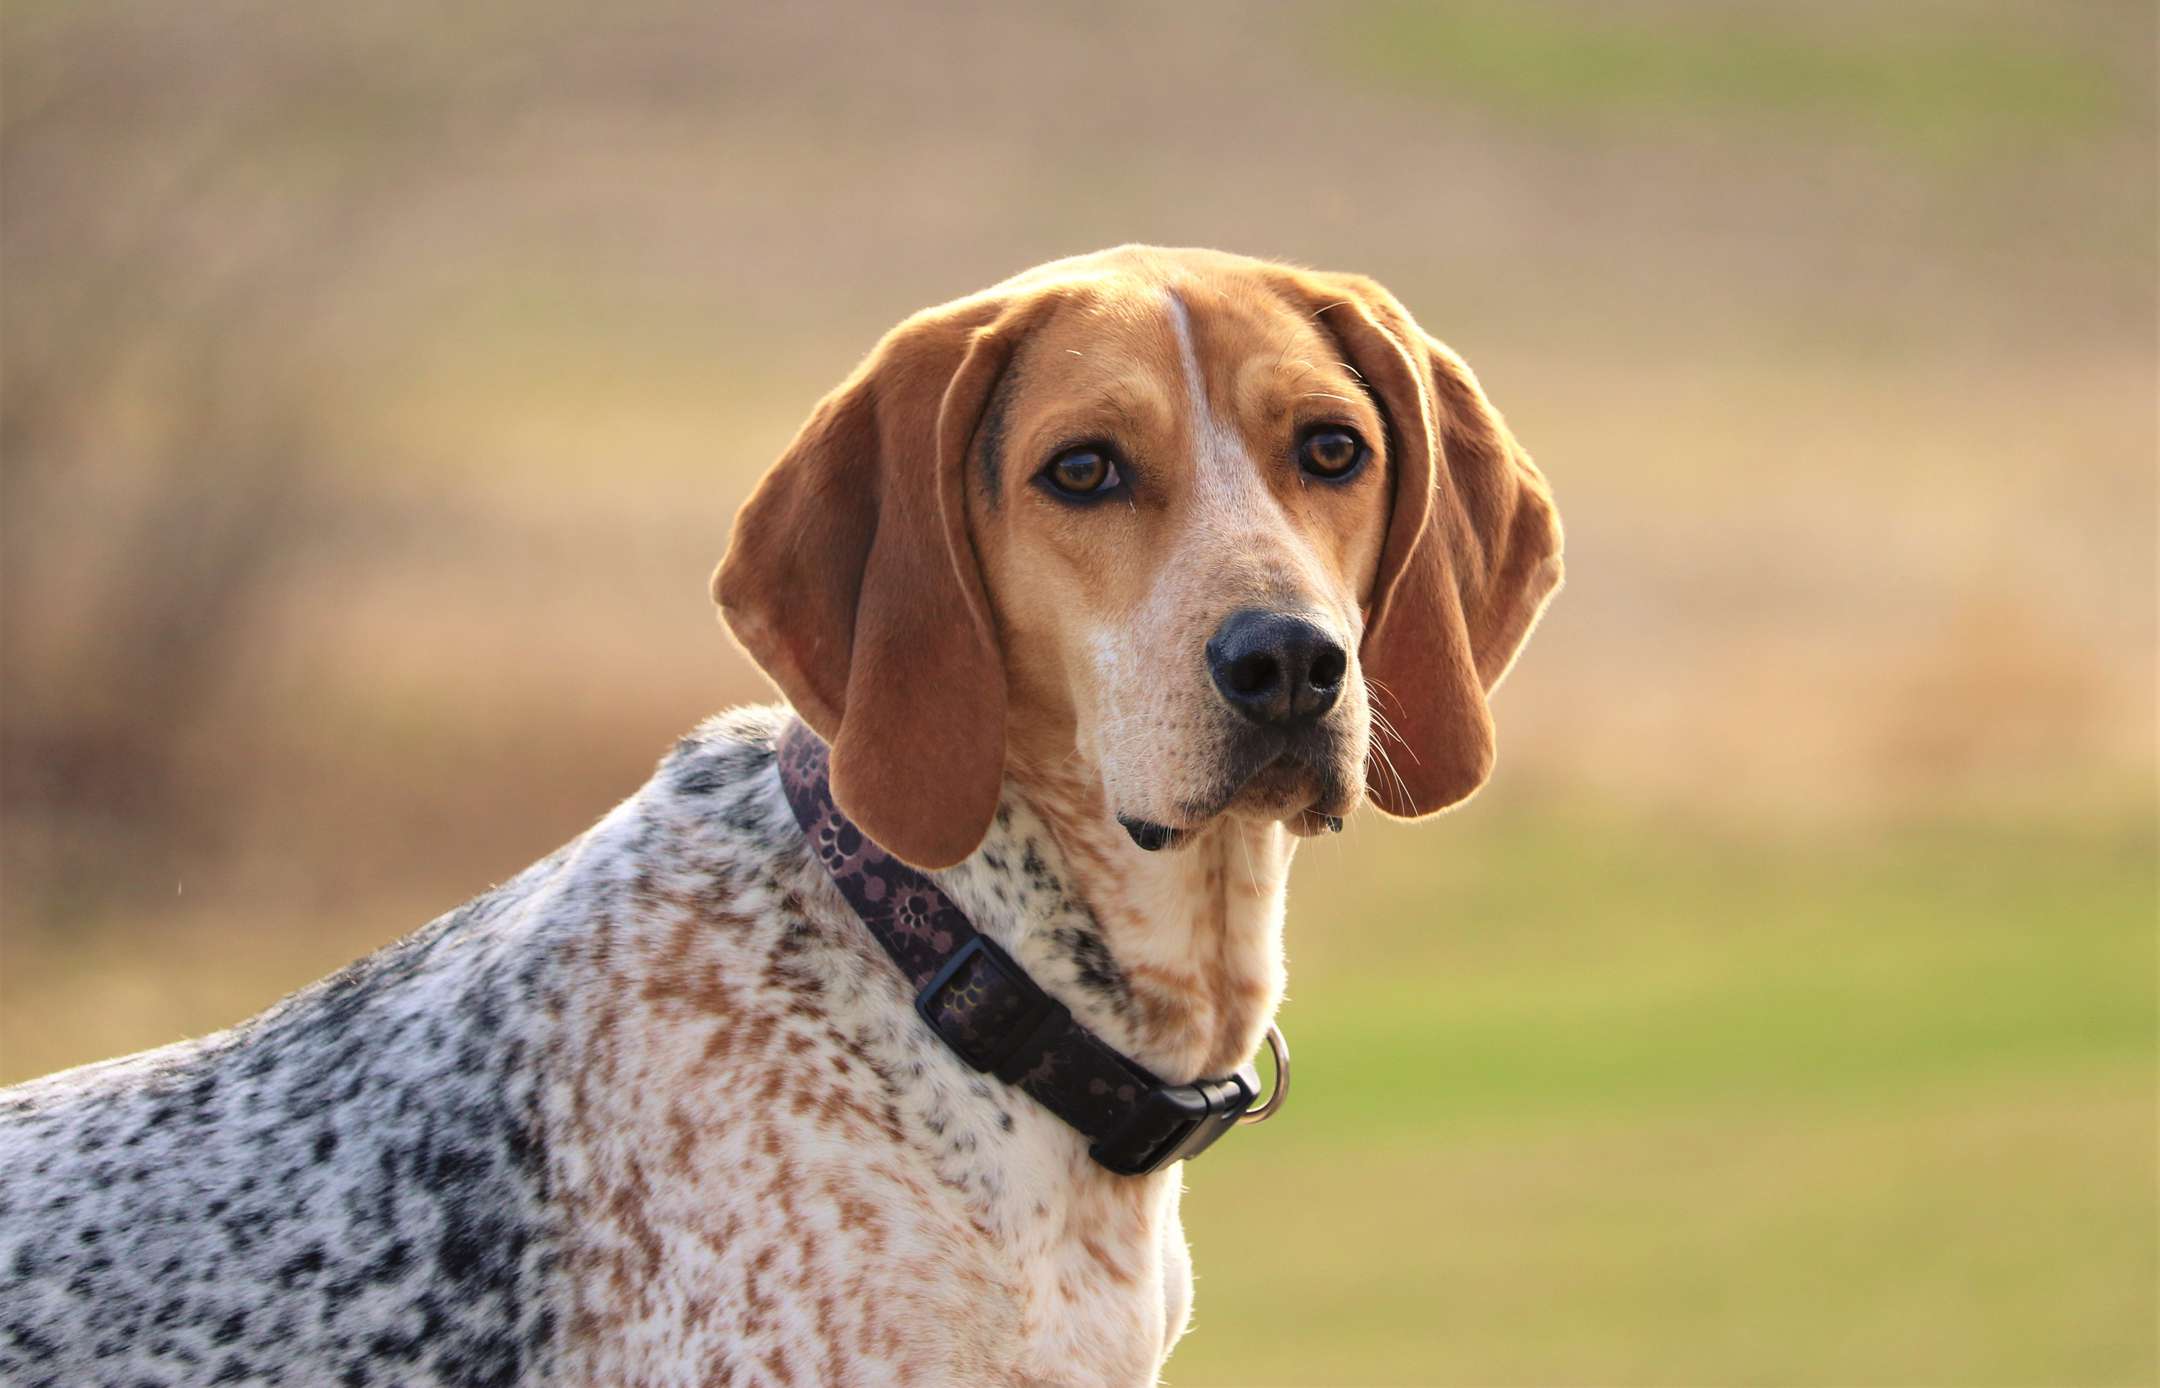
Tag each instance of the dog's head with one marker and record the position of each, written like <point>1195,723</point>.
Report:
<point>1238,537</point>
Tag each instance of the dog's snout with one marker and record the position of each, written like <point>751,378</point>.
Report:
<point>1276,668</point>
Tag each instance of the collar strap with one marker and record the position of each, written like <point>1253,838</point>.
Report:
<point>984,1006</point>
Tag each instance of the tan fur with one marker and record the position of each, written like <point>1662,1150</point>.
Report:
<point>872,552</point>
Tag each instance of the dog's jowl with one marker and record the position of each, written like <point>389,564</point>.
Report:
<point>867,1042</point>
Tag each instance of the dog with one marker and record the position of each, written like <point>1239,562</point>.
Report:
<point>1089,595</point>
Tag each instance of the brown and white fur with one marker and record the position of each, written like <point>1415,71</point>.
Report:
<point>658,1111</point>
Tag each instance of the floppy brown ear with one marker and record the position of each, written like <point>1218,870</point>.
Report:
<point>1471,557</point>
<point>852,580</point>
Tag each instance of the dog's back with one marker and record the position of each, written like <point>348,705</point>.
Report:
<point>587,1128</point>
<point>369,1149</point>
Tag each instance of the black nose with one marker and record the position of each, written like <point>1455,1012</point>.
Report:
<point>1276,668</point>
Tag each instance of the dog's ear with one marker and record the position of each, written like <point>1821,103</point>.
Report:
<point>1471,557</point>
<point>852,580</point>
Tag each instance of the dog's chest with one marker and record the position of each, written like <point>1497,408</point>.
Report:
<point>774,1170</point>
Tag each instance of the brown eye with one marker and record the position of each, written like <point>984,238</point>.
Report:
<point>1082,472</point>
<point>1331,453</point>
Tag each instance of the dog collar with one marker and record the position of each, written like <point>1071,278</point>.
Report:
<point>992,1015</point>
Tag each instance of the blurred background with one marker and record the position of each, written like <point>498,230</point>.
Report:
<point>380,381</point>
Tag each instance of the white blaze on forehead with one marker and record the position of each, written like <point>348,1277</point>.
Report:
<point>1207,429</point>
<point>1220,467</point>
<point>1228,490</point>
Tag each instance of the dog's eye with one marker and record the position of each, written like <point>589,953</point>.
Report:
<point>1331,453</point>
<point>1082,472</point>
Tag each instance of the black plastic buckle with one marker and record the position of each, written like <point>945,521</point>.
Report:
<point>1014,1054</point>
<point>1174,1122</point>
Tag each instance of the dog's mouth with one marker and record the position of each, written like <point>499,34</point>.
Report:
<point>1154,838</point>
<point>1267,778</point>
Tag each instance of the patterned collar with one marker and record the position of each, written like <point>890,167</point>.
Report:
<point>990,1013</point>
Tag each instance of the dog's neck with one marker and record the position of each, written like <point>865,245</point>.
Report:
<point>1175,956</point>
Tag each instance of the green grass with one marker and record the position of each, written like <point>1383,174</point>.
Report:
<point>1944,90</point>
<point>1580,1102</point>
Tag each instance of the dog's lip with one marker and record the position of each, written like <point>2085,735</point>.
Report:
<point>1310,823</point>
<point>1151,836</point>
<point>1305,821</point>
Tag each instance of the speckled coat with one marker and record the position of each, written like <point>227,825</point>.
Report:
<point>656,1111</point>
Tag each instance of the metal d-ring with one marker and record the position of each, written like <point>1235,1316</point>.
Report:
<point>1280,1049</point>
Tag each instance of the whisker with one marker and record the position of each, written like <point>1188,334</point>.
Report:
<point>1387,764</point>
<point>1289,341</point>
<point>1381,689</point>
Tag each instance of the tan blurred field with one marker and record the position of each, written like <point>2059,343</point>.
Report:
<point>379,383</point>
